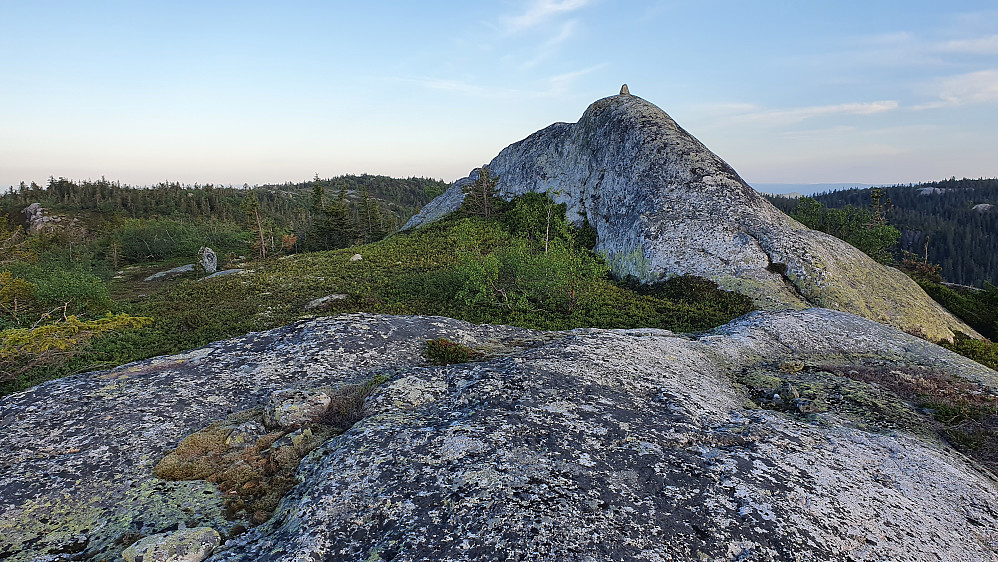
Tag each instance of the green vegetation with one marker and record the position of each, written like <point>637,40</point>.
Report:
<point>864,228</point>
<point>442,351</point>
<point>525,265</point>
<point>984,352</point>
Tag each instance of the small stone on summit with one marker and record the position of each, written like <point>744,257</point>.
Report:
<point>624,91</point>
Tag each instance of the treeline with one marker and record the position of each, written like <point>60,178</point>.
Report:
<point>937,222</point>
<point>368,207</point>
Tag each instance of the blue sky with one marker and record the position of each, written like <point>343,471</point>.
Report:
<point>257,92</point>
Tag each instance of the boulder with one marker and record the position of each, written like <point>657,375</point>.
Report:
<point>608,444</point>
<point>207,260</point>
<point>663,204</point>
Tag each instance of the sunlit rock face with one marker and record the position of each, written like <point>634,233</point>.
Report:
<point>663,204</point>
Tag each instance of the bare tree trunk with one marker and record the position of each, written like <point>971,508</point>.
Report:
<point>259,228</point>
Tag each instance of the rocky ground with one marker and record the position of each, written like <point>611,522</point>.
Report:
<point>581,445</point>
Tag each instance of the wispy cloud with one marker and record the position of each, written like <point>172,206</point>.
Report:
<point>797,114</point>
<point>537,12</point>
<point>977,46</point>
<point>550,47</point>
<point>963,89</point>
<point>562,82</point>
<point>550,87</point>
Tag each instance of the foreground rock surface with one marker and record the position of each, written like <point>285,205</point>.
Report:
<point>582,445</point>
<point>663,204</point>
<point>184,545</point>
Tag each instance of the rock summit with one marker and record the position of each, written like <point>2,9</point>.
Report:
<point>663,204</point>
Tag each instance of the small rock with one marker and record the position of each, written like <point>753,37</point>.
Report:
<point>184,545</point>
<point>293,439</point>
<point>245,435</point>
<point>356,257</point>
<point>293,408</point>
<point>624,91</point>
<point>322,302</point>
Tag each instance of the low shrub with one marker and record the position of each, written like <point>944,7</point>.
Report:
<point>442,351</point>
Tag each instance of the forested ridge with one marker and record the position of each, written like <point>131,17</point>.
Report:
<point>945,222</point>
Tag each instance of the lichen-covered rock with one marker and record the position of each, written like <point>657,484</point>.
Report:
<point>245,435</point>
<point>77,454</point>
<point>635,445</point>
<point>184,545</point>
<point>581,445</point>
<point>293,408</point>
<point>663,204</point>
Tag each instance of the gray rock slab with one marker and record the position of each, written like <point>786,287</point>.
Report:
<point>171,272</point>
<point>223,273</point>
<point>76,454</point>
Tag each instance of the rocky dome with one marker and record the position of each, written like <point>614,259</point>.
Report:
<point>663,204</point>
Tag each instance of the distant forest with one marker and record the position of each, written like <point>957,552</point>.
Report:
<point>952,223</point>
<point>320,214</point>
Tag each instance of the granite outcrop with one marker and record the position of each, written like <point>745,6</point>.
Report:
<point>580,445</point>
<point>663,204</point>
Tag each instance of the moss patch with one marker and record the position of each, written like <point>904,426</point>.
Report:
<point>253,474</point>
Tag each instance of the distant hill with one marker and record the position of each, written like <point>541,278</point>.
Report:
<point>953,223</point>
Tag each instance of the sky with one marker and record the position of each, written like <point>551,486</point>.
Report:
<point>877,92</point>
